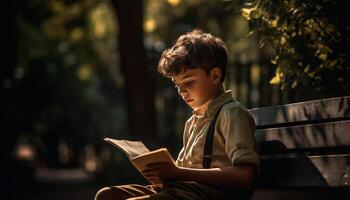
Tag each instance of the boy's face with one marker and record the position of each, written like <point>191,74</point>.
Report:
<point>196,87</point>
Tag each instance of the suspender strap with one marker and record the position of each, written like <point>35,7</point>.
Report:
<point>208,148</point>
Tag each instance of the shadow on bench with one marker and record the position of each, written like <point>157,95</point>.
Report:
<point>304,149</point>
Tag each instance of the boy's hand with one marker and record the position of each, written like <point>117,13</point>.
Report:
<point>161,172</point>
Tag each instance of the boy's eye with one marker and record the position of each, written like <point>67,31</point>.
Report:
<point>189,83</point>
<point>184,85</point>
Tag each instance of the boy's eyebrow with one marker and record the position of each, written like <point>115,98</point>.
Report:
<point>186,76</point>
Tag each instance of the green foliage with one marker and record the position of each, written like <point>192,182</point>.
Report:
<point>311,41</point>
<point>66,86</point>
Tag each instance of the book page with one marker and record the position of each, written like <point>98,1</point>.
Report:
<point>132,149</point>
<point>161,155</point>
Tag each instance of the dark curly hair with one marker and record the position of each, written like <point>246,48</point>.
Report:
<point>195,49</point>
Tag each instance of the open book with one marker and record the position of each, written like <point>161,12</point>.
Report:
<point>139,155</point>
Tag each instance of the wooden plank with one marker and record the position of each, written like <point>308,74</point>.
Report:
<point>309,111</point>
<point>330,134</point>
<point>311,171</point>
<point>301,194</point>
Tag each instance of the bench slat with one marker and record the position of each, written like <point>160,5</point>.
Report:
<point>303,113</point>
<point>311,171</point>
<point>301,194</point>
<point>279,140</point>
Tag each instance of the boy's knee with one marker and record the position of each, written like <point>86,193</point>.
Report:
<point>106,194</point>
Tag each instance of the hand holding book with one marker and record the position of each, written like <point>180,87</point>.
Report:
<point>161,172</point>
<point>143,159</point>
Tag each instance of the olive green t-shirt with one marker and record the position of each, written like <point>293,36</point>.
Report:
<point>234,140</point>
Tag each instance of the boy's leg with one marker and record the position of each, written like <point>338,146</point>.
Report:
<point>123,192</point>
<point>184,190</point>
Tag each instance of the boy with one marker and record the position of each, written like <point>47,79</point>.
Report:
<point>218,161</point>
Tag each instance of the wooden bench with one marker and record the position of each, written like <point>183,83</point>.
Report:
<point>304,150</point>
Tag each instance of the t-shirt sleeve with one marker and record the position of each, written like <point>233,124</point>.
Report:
<point>238,129</point>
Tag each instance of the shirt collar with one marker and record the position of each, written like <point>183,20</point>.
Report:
<point>213,106</point>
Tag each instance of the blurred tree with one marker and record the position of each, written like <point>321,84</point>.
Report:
<point>139,85</point>
<point>67,88</point>
<point>311,39</point>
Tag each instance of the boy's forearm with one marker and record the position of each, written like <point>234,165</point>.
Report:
<point>232,176</point>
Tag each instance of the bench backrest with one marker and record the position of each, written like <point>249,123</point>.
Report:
<point>304,144</point>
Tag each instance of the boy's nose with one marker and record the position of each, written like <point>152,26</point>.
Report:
<point>183,93</point>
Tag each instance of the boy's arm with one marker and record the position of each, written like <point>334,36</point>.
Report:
<point>232,176</point>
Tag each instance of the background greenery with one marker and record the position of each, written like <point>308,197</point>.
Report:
<point>74,72</point>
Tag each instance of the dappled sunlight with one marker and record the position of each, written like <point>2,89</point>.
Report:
<point>98,20</point>
<point>78,71</point>
<point>307,138</point>
<point>174,2</point>
<point>85,72</point>
<point>150,25</point>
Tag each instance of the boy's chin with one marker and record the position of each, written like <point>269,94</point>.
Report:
<point>193,106</point>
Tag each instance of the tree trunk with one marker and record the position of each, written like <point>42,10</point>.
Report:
<point>139,85</point>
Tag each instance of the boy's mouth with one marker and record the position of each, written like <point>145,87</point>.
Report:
<point>188,100</point>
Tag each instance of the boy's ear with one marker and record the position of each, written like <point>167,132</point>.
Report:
<point>216,74</point>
